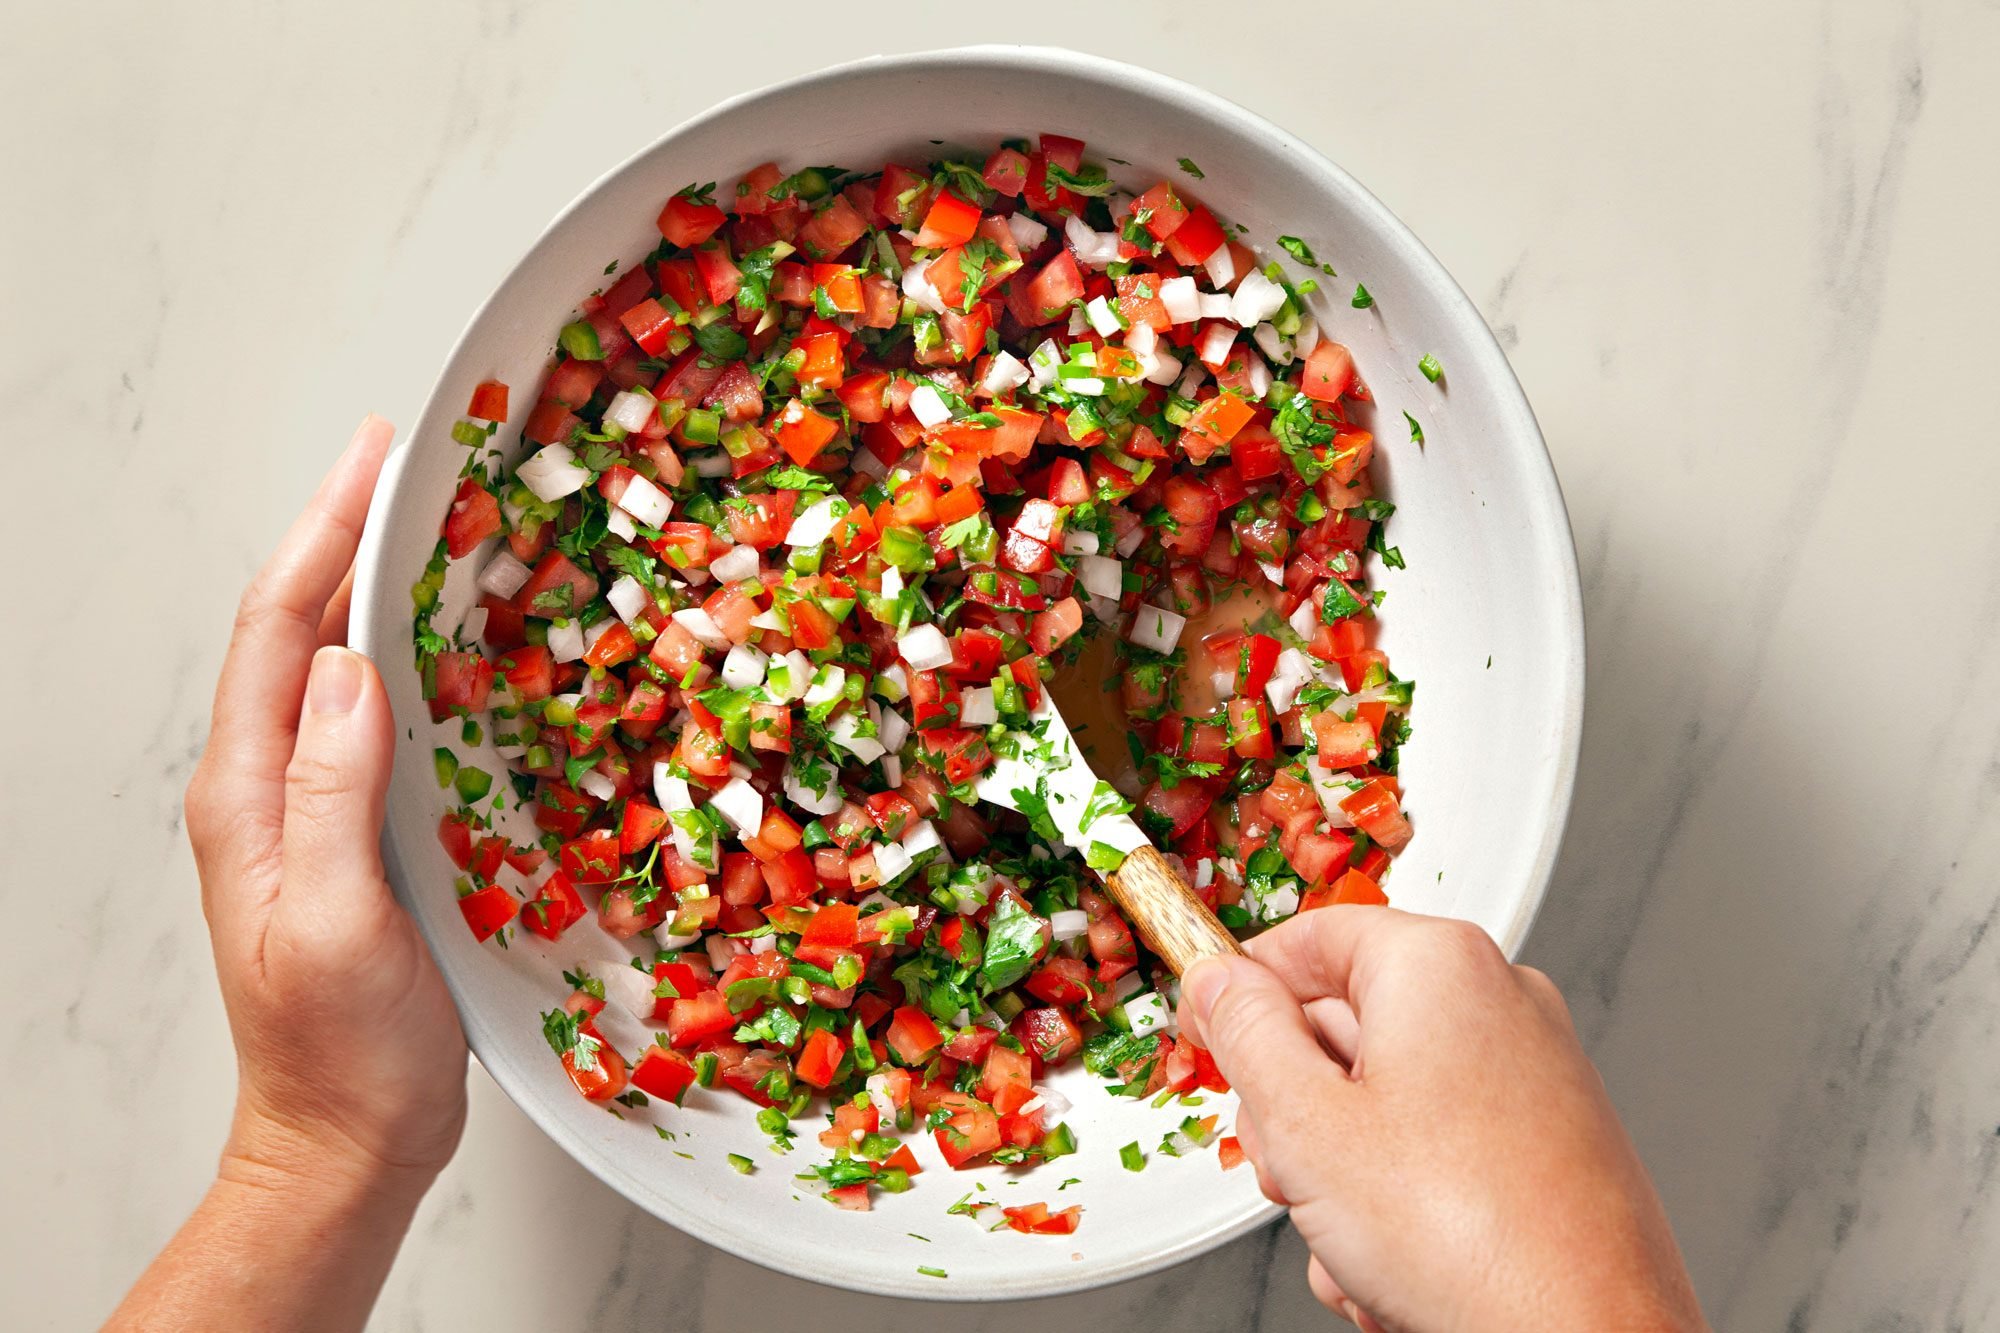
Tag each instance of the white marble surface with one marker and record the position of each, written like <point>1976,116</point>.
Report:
<point>1741,254</point>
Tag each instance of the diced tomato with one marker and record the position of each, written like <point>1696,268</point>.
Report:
<point>686,223</point>
<point>473,517</point>
<point>822,1055</point>
<point>487,910</point>
<point>489,401</point>
<point>913,1035</point>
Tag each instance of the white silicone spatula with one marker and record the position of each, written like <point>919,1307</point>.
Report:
<point>1050,772</point>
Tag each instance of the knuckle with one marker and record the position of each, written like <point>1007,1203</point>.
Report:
<point>1543,991</point>
<point>314,784</point>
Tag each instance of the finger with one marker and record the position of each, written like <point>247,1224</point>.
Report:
<point>1330,1294</point>
<point>1252,1144</point>
<point>1260,1038</point>
<point>277,632</point>
<point>1330,951</point>
<point>334,790</point>
<point>1339,1030</point>
<point>333,624</point>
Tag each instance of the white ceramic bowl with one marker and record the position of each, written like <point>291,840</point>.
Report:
<point>1487,618</point>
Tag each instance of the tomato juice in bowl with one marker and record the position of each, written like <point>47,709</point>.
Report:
<point>507,998</point>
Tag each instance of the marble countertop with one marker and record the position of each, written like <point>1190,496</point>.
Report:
<point>1741,256</point>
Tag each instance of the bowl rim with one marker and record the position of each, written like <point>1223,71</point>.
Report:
<point>1544,507</point>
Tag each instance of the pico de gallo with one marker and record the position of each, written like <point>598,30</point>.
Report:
<point>812,506</point>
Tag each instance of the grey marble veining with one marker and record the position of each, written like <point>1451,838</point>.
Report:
<point>1741,257</point>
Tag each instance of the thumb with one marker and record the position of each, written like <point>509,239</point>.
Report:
<point>1257,1031</point>
<point>335,786</point>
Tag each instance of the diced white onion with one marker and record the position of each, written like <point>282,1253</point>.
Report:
<point>625,985</point>
<point>596,784</point>
<point>1191,379</point>
<point>1256,299</point>
<point>976,707</point>
<point>1178,295</point>
<point>1274,344</point>
<point>592,633</point>
<point>1260,378</point>
<point>1068,924</point>
<point>927,407</point>
<point>1080,541</point>
<point>892,583</point>
<point>566,641</point>
<point>553,473</point>
<point>646,502</point>
<point>1204,872</point>
<point>735,565</point>
<point>741,804</point>
<point>631,410</point>
<point>1305,619</point>
<point>892,770</point>
<point>671,792</point>
<point>474,626</point>
<point>1148,1013</point>
<point>1156,628</point>
<point>828,684</point>
<point>713,463</point>
<point>628,598</point>
<point>877,1085</point>
<point>1028,233</point>
<point>845,731</point>
<point>702,625</point>
<point>815,525</point>
<point>1101,576</point>
<point>1214,346</point>
<point>812,800</point>
<point>1094,249</point>
<point>924,648</point>
<point>764,944</point>
<point>891,860</point>
<point>744,668</point>
<point>1102,317</point>
<point>1103,608</point>
<point>722,949</point>
<point>1215,305</point>
<point>917,286</point>
<point>893,683</point>
<point>1006,372</point>
<point>503,575</point>
<point>1282,689</point>
<point>1307,337</point>
<point>1280,902</point>
<point>1220,267</point>
<point>1333,788</point>
<point>664,936</point>
<point>1130,540</point>
<point>894,729</point>
<point>787,677</point>
<point>921,837</point>
<point>1043,363</point>
<point>621,524</point>
<point>1126,986</point>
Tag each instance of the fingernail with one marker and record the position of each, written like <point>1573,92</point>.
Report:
<point>335,682</point>
<point>1200,987</point>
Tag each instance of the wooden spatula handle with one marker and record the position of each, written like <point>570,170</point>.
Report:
<point>1171,917</point>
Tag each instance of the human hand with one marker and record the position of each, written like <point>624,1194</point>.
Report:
<point>1446,1148</point>
<point>349,1056</point>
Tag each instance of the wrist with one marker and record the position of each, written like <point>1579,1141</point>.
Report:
<point>295,1160</point>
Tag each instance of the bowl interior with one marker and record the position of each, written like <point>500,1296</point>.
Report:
<point>1486,618</point>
